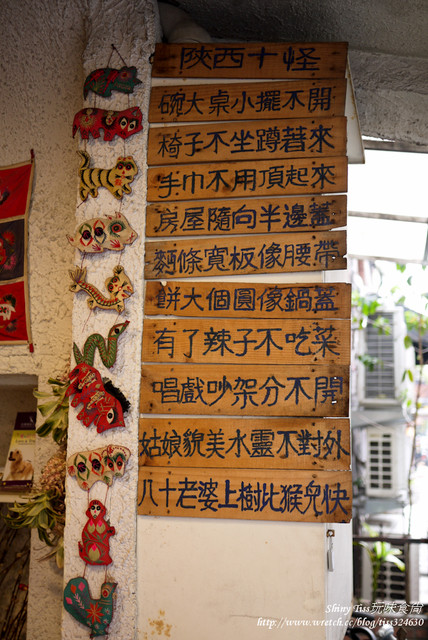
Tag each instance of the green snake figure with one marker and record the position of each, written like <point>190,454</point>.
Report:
<point>96,341</point>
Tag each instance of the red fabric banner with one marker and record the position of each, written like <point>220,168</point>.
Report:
<point>15,194</point>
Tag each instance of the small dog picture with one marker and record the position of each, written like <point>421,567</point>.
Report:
<point>19,469</point>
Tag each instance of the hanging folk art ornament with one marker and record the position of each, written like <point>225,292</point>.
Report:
<point>104,81</point>
<point>95,546</point>
<point>116,180</point>
<point>103,464</point>
<point>96,341</point>
<point>122,123</point>
<point>118,286</point>
<point>94,614</point>
<point>103,404</point>
<point>102,234</point>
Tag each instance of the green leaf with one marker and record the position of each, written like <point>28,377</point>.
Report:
<point>43,430</point>
<point>41,394</point>
<point>408,373</point>
<point>48,407</point>
<point>408,342</point>
<point>369,361</point>
<point>383,326</point>
<point>394,560</point>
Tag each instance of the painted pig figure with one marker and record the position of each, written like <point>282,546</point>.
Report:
<point>122,123</point>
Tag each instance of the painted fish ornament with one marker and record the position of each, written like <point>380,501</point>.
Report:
<point>95,547</point>
<point>94,614</point>
<point>99,405</point>
<point>104,81</point>
<point>122,123</point>
<point>96,341</point>
<point>102,234</point>
<point>116,180</point>
<point>118,286</point>
<point>103,464</point>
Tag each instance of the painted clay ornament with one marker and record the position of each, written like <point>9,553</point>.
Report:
<point>116,180</point>
<point>95,614</point>
<point>103,464</point>
<point>118,286</point>
<point>96,341</point>
<point>104,81</point>
<point>100,406</point>
<point>95,547</point>
<point>102,234</point>
<point>121,123</point>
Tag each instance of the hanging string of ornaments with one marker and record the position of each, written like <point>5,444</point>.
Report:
<point>104,405</point>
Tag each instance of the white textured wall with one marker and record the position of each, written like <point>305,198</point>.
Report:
<point>41,46</point>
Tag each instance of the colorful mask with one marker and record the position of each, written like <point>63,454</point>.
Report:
<point>104,81</point>
<point>116,180</point>
<point>100,406</point>
<point>122,123</point>
<point>102,464</point>
<point>101,234</point>
<point>95,546</point>
<point>118,286</point>
<point>96,341</point>
<point>94,614</point>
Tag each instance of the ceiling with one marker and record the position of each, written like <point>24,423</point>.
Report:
<point>388,51</point>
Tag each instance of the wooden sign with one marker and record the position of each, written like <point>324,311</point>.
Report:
<point>256,494</point>
<point>243,179</point>
<point>258,140</point>
<point>273,253</point>
<point>244,300</point>
<point>258,390</point>
<point>249,341</point>
<point>248,101</point>
<point>245,443</point>
<point>251,215</point>
<point>251,60</point>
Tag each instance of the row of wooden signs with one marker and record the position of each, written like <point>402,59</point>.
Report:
<point>248,461</point>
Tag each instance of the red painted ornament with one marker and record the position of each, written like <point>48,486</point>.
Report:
<point>100,406</point>
<point>122,123</point>
<point>95,546</point>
